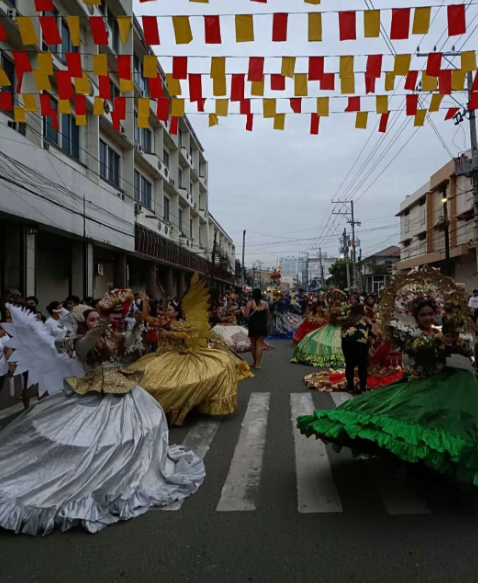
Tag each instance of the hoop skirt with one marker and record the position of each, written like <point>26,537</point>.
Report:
<point>282,325</point>
<point>237,338</point>
<point>433,420</point>
<point>308,325</point>
<point>90,460</point>
<point>323,347</point>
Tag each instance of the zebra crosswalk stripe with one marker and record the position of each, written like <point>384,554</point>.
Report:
<point>241,487</point>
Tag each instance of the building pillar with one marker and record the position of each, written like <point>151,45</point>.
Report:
<point>30,261</point>
<point>181,285</point>
<point>77,279</point>
<point>89,270</point>
<point>151,287</point>
<point>169,288</point>
<point>120,271</point>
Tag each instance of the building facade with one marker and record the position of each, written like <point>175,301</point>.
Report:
<point>83,206</point>
<point>443,204</point>
<point>377,270</point>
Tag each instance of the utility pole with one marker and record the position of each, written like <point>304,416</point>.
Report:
<point>321,267</point>
<point>243,258</point>
<point>345,251</point>
<point>446,222</point>
<point>474,161</point>
<point>351,214</point>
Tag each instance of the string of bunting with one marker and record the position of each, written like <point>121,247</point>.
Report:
<point>402,25</point>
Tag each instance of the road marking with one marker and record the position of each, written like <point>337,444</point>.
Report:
<point>242,483</point>
<point>199,439</point>
<point>316,489</point>
<point>340,398</point>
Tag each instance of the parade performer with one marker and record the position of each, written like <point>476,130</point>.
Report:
<point>323,347</point>
<point>313,320</point>
<point>281,324</point>
<point>185,373</point>
<point>433,416</point>
<point>95,452</point>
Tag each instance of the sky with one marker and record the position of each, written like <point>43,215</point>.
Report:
<point>278,185</point>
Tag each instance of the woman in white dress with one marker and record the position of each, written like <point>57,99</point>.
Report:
<point>53,324</point>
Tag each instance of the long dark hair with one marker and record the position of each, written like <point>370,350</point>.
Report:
<point>52,306</point>
<point>356,313</point>
<point>82,327</point>
<point>257,295</point>
<point>421,305</point>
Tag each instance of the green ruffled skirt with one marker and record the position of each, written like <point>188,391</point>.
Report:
<point>432,420</point>
<point>322,347</point>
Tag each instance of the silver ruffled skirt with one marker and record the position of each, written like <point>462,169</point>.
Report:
<point>91,461</point>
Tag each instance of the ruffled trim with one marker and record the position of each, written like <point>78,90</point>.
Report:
<point>243,370</point>
<point>94,515</point>
<point>221,406</point>
<point>333,360</point>
<point>440,450</point>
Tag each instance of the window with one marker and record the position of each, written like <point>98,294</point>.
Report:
<point>115,92</point>
<point>9,68</point>
<point>180,137</point>
<point>180,178</point>
<point>142,190</point>
<point>166,158</point>
<point>166,208</point>
<point>70,136</point>
<point>113,24</point>
<point>110,168</point>
<point>50,134</point>
<point>143,136</point>
<point>180,220</point>
<point>139,79</point>
<point>190,228</point>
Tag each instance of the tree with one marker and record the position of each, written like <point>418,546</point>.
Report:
<point>338,271</point>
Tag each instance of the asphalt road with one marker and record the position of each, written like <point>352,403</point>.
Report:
<point>384,526</point>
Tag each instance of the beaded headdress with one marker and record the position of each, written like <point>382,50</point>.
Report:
<point>117,300</point>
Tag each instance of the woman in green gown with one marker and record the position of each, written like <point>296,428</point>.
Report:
<point>433,416</point>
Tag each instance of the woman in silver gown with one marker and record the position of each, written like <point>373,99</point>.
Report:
<point>96,452</point>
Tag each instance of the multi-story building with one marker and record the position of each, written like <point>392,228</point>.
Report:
<point>445,202</point>
<point>377,269</point>
<point>82,206</point>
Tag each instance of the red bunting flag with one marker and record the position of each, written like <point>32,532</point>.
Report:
<point>124,66</point>
<point>155,87</point>
<point>316,68</point>
<point>456,19</point>
<point>45,104</point>
<point>473,103</point>
<point>162,109</point>
<point>119,105</point>
<point>474,87</point>
<point>115,121</point>
<point>433,64</point>
<point>3,33</point>
<point>347,30</point>
<point>22,63</point>
<point>314,124</point>
<point>353,104</point>
<point>382,127</point>
<point>296,104</point>
<point>195,87</point>
<point>73,63</point>
<point>49,27</point>
<point>374,66</point>
<point>327,83</point>
<point>400,23</point>
<point>98,30</point>
<point>279,27</point>
<point>80,104</point>
<point>212,30</point>
<point>451,113</point>
<point>370,84</point>
<point>249,122</point>
<point>151,31</point>
<point>180,67</point>
<point>411,81</point>
<point>65,88</point>
<point>277,82</point>
<point>411,104</point>
<point>238,83</point>
<point>444,82</point>
<point>201,104</point>
<point>44,5</point>
<point>173,128</point>
<point>104,87</point>
<point>256,69</point>
<point>6,101</point>
<point>54,120</point>
<point>245,107</point>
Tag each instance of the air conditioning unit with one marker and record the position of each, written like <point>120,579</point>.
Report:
<point>122,130</point>
<point>138,148</point>
<point>100,270</point>
<point>166,172</point>
<point>12,13</point>
<point>166,229</point>
<point>137,208</point>
<point>159,165</point>
<point>195,205</point>
<point>106,104</point>
<point>172,181</point>
<point>160,225</point>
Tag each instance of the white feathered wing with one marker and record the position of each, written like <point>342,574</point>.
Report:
<point>35,353</point>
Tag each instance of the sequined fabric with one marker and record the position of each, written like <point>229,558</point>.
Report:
<point>108,378</point>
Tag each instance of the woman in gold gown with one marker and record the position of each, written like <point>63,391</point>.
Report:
<point>188,370</point>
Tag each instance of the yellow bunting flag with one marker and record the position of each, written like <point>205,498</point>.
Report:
<point>126,85</point>
<point>420,117</point>
<point>177,107</point>
<point>150,66</point>
<point>244,28</point>
<point>389,81</point>
<point>4,80</point>
<point>382,103</point>
<point>458,80</point>
<point>257,88</point>
<point>143,107</point>
<point>64,106</point>
<point>98,106</point>
<point>435,102</point>
<point>371,23</point>
<point>74,28</point>
<point>468,61</point>
<point>315,26</point>
<point>182,30</point>
<point>213,120</point>
<point>269,107</point>
<point>288,67</point>
<point>323,106</point>
<point>222,107</point>
<point>347,86</point>
<point>200,2</point>
<point>100,65</point>
<point>218,67</point>
<point>143,121</point>
<point>174,86</point>
<point>402,64</point>
<point>82,85</point>
<point>429,83</point>
<point>346,70</point>
<point>27,30</point>
<point>279,121</point>
<point>81,120</point>
<point>45,63</point>
<point>19,114</point>
<point>361,120</point>
<point>300,85</point>
<point>42,81</point>
<point>219,86</point>
<point>29,101</point>
<point>312,1</point>
<point>95,2</point>
<point>421,20</point>
<point>124,25</point>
